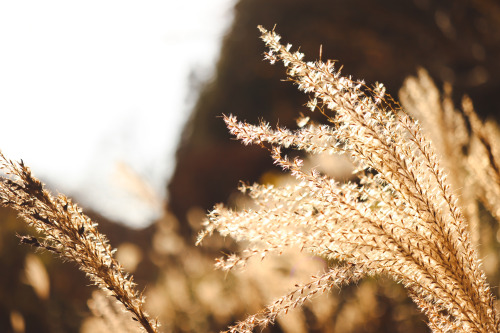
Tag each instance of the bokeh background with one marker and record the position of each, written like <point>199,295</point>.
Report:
<point>118,104</point>
<point>99,90</point>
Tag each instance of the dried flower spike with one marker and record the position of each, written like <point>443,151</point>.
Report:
<point>401,219</point>
<point>65,230</point>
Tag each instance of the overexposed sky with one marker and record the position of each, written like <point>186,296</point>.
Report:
<point>95,92</point>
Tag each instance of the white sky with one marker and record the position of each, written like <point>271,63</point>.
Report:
<point>87,85</point>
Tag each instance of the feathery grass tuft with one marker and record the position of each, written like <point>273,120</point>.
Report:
<point>66,231</point>
<point>401,219</point>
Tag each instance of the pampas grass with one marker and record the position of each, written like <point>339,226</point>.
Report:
<point>63,229</point>
<point>400,219</point>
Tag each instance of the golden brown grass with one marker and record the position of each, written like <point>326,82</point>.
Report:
<point>65,230</point>
<point>401,219</point>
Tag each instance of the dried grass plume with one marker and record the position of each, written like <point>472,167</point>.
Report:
<point>63,229</point>
<point>400,219</point>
